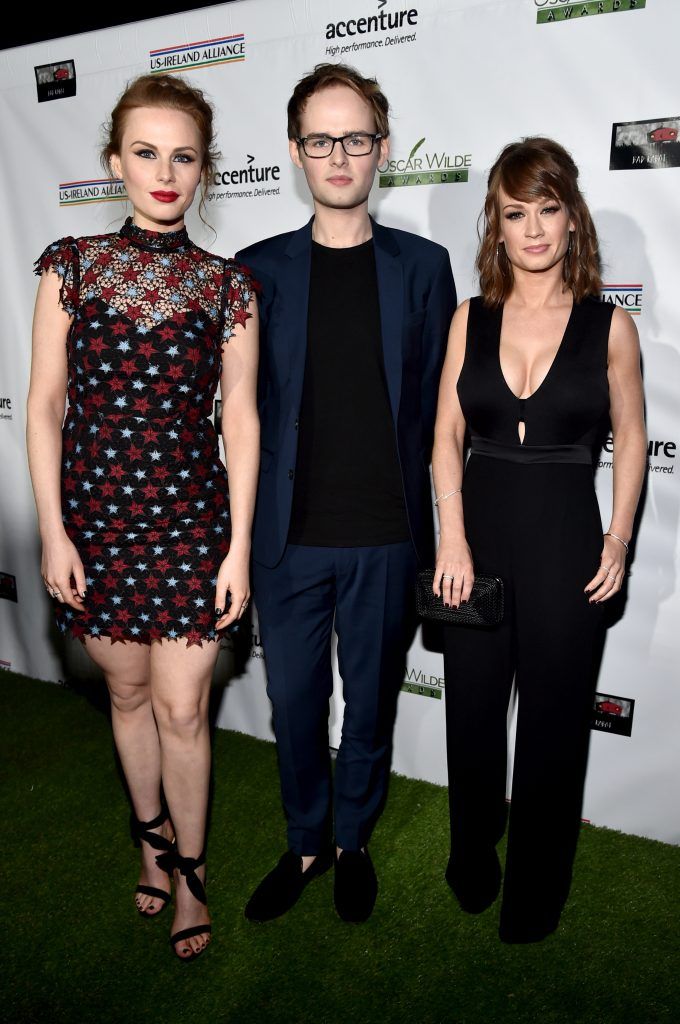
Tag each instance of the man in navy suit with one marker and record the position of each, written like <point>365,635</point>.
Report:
<point>354,320</point>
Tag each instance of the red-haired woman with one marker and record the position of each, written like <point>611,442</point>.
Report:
<point>143,545</point>
<point>534,367</point>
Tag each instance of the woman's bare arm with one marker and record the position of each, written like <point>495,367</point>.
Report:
<point>241,436</point>
<point>454,573</point>
<point>626,409</point>
<point>45,415</point>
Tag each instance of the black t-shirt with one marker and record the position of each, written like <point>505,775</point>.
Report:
<point>348,490</point>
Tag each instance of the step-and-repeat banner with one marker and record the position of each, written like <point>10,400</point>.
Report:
<point>463,77</point>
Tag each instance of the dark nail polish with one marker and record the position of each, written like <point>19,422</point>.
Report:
<point>218,613</point>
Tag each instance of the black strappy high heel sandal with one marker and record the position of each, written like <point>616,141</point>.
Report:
<point>187,867</point>
<point>141,833</point>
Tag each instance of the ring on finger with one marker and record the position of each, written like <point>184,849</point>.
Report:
<point>446,577</point>
<point>611,577</point>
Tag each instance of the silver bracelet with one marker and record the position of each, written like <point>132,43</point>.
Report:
<point>609,533</point>
<point>443,497</point>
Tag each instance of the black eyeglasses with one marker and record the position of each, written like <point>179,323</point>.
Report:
<point>354,144</point>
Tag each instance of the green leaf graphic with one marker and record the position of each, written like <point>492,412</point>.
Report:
<point>416,148</point>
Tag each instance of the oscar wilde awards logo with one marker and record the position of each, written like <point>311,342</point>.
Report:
<point>425,167</point>
<point>264,177</point>
<point>389,27</point>
<point>567,10</point>
<point>423,684</point>
<point>645,145</point>
<point>92,190</point>
<point>206,53</point>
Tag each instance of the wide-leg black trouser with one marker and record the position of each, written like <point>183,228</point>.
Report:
<point>539,528</point>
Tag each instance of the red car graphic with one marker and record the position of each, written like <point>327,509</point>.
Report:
<point>663,134</point>
<point>609,707</point>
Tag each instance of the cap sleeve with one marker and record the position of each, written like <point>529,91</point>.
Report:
<point>239,289</point>
<point>62,257</point>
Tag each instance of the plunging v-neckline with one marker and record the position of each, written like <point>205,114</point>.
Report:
<point>558,350</point>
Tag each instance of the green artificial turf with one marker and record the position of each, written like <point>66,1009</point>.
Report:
<point>75,950</point>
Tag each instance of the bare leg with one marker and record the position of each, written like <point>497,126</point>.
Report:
<point>180,690</point>
<point>126,669</point>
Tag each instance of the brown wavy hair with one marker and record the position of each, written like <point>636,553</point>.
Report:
<point>324,75</point>
<point>537,168</point>
<point>172,93</point>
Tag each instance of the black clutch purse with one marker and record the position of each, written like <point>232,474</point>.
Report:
<point>484,606</point>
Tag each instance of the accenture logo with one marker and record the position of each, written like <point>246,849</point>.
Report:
<point>351,32</point>
<point>661,454</point>
<point>252,174</point>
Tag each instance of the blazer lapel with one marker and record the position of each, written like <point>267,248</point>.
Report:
<point>294,285</point>
<point>391,298</point>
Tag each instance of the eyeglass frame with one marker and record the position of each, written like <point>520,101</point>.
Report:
<point>373,136</point>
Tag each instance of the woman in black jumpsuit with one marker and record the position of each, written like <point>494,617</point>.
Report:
<point>534,367</point>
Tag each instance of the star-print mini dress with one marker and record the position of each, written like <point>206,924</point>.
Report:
<point>144,492</point>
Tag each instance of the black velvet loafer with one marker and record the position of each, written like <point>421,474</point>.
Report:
<point>281,888</point>
<point>356,885</point>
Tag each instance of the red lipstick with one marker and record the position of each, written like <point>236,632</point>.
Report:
<point>165,197</point>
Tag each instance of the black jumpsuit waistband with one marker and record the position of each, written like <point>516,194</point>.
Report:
<point>577,454</point>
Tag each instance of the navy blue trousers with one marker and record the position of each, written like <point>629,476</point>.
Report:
<point>367,595</point>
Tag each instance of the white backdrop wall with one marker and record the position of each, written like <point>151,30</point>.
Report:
<point>463,77</point>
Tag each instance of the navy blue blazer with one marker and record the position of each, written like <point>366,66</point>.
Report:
<point>417,299</point>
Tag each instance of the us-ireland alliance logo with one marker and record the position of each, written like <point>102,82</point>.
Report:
<point>205,53</point>
<point>91,190</point>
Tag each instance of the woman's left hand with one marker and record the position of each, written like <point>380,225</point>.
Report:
<point>232,580</point>
<point>608,579</point>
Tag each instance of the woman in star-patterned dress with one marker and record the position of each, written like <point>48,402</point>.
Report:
<point>145,548</point>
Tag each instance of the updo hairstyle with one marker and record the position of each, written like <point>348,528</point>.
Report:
<point>172,93</point>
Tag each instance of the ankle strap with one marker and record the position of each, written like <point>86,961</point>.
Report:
<point>141,830</point>
<point>171,860</point>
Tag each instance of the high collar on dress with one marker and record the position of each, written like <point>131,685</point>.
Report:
<point>154,241</point>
